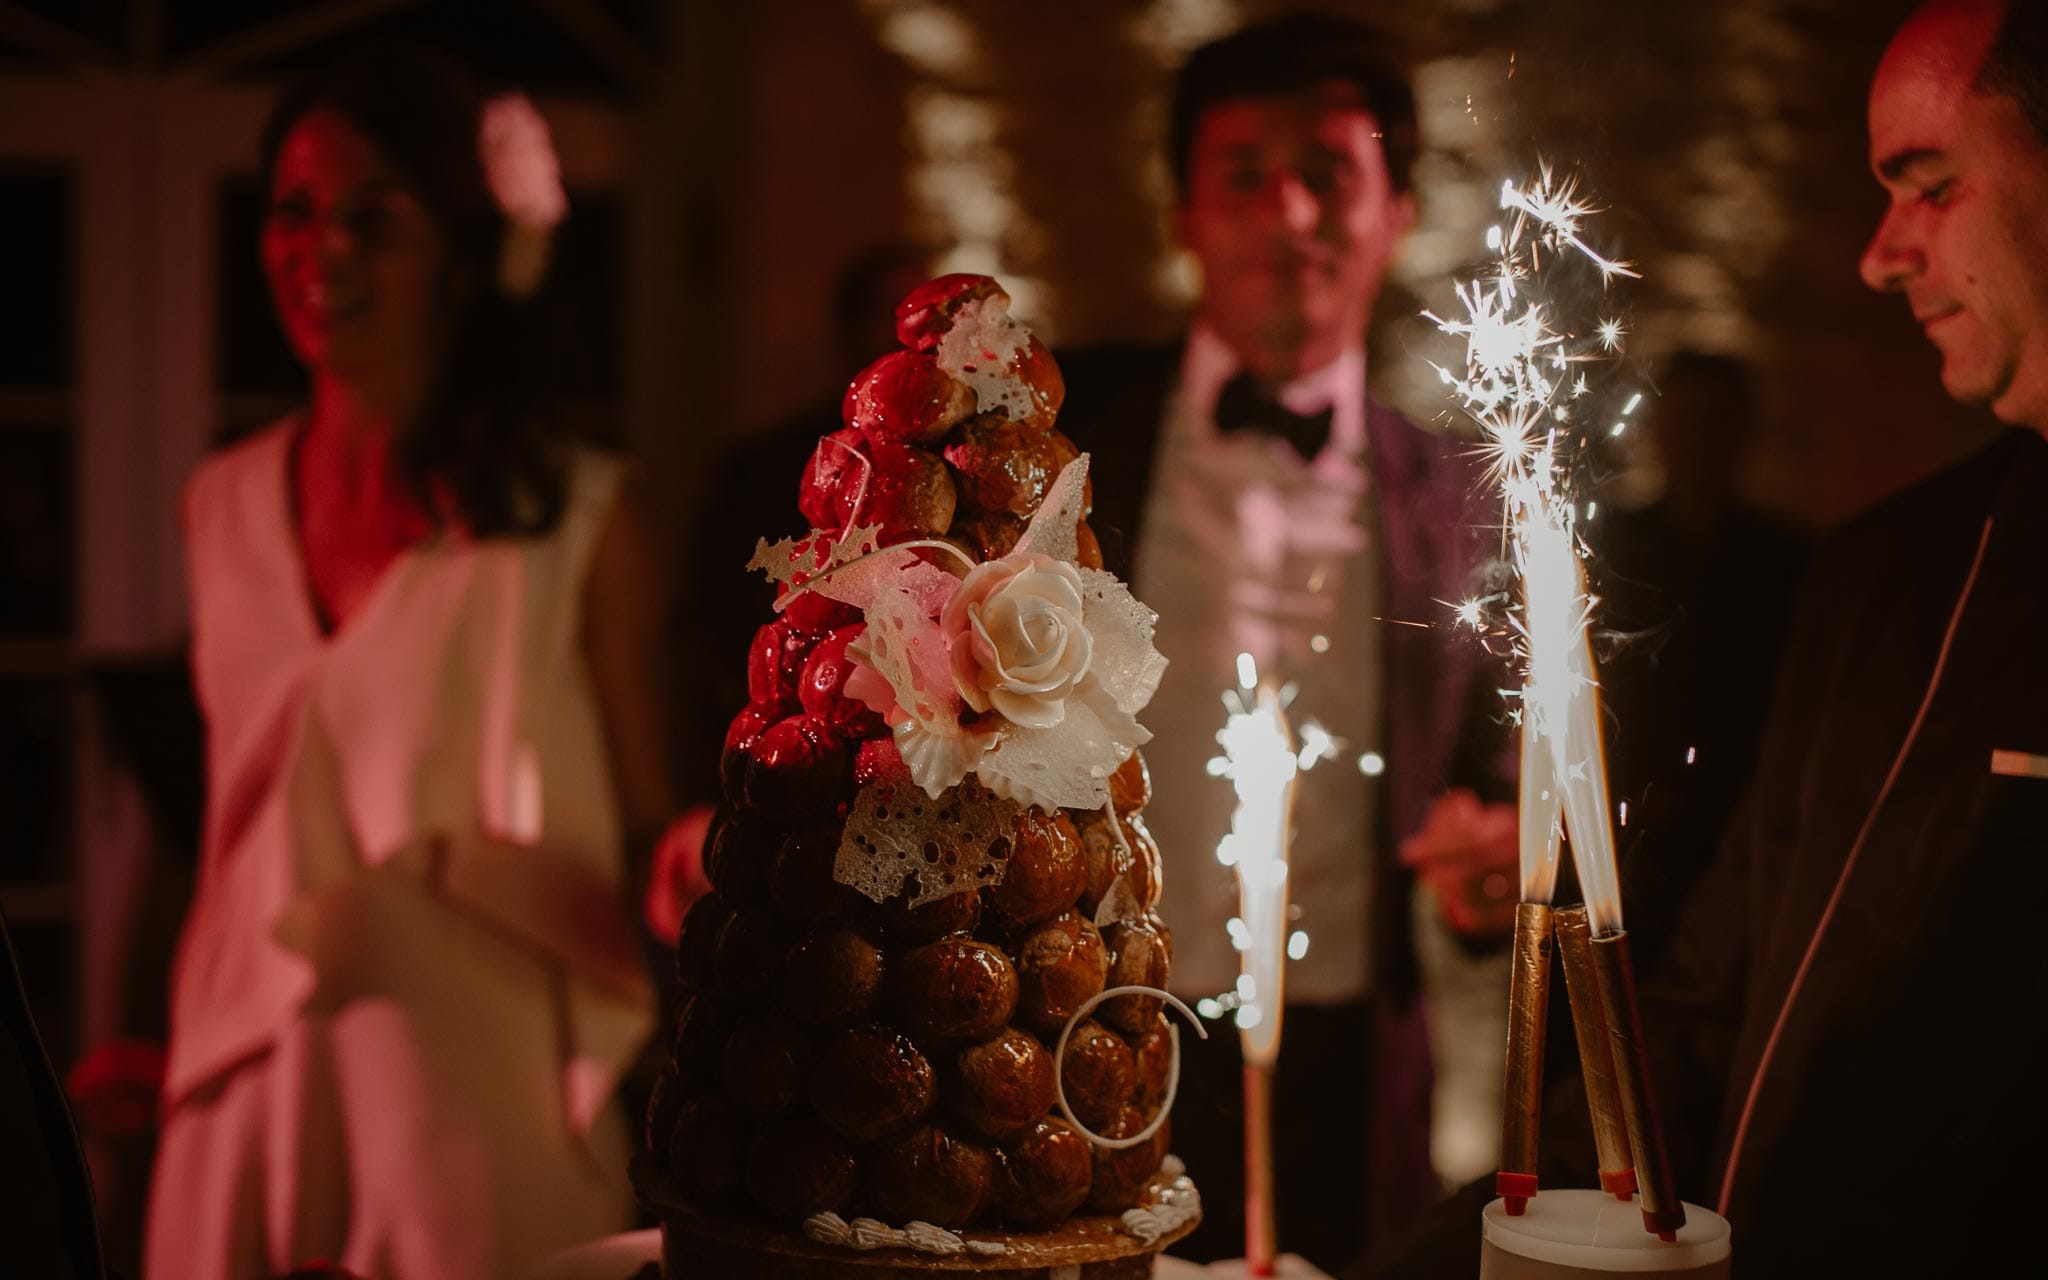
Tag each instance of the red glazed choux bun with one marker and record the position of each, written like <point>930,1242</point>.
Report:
<point>905,398</point>
<point>854,481</point>
<point>926,313</point>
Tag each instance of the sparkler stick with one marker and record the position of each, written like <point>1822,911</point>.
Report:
<point>1528,1013</point>
<point>1596,1057</point>
<point>1261,763</point>
<point>1614,971</point>
<point>1529,976</point>
<point>1261,1247</point>
<point>1518,385</point>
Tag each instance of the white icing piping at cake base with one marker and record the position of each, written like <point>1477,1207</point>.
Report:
<point>1179,1203</point>
<point>864,1234</point>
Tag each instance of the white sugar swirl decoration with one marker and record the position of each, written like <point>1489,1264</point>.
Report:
<point>1059,1059</point>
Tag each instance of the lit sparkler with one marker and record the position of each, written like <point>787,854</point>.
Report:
<point>1261,759</point>
<point>1521,369</point>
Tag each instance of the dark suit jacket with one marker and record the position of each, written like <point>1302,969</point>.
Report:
<point>1902,1106</point>
<point>751,494</point>
<point>1443,712</point>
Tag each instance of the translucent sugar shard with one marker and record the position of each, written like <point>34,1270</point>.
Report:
<point>981,350</point>
<point>861,581</point>
<point>900,841</point>
<point>1052,528</point>
<point>788,561</point>
<point>921,674</point>
<point>809,558</point>
<point>1118,905</point>
<point>931,587</point>
<point>1121,625</point>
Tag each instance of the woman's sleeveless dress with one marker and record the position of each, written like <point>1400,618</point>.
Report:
<point>408,984</point>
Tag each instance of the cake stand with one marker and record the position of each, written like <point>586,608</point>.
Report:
<point>697,1245</point>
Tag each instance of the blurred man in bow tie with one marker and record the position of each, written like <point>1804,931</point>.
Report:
<point>1264,504</point>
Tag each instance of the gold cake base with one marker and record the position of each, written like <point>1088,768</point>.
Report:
<point>696,1245</point>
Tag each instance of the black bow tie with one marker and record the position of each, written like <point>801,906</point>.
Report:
<point>1244,407</point>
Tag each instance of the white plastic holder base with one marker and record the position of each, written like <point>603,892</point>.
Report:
<point>1569,1234</point>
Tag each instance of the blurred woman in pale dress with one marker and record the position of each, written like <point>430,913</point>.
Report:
<point>423,641</point>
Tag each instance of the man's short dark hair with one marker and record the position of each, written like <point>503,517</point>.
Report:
<point>2017,63</point>
<point>1290,56</point>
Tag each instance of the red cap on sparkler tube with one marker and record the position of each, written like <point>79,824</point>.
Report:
<point>1516,1190</point>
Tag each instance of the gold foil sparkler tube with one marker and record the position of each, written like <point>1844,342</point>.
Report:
<point>1528,1014</point>
<point>1260,1244</point>
<point>1614,971</point>
<point>1596,1056</point>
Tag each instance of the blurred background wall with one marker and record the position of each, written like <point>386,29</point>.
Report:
<point>725,161</point>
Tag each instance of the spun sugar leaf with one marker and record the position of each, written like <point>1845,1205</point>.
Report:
<point>1052,528</point>
<point>815,561</point>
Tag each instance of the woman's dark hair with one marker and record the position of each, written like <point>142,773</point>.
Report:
<point>485,437</point>
<point>1289,56</point>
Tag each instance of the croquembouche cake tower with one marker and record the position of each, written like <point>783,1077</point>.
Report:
<point>925,1026</point>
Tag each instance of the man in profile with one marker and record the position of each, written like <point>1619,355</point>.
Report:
<point>1856,979</point>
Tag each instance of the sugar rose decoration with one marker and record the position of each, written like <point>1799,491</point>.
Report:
<point>1028,674</point>
<point>1021,667</point>
<point>1017,639</point>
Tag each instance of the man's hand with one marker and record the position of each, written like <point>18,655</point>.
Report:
<point>1468,854</point>
<point>677,876</point>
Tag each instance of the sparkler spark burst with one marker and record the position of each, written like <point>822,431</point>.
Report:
<point>1525,358</point>
<point>1262,760</point>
